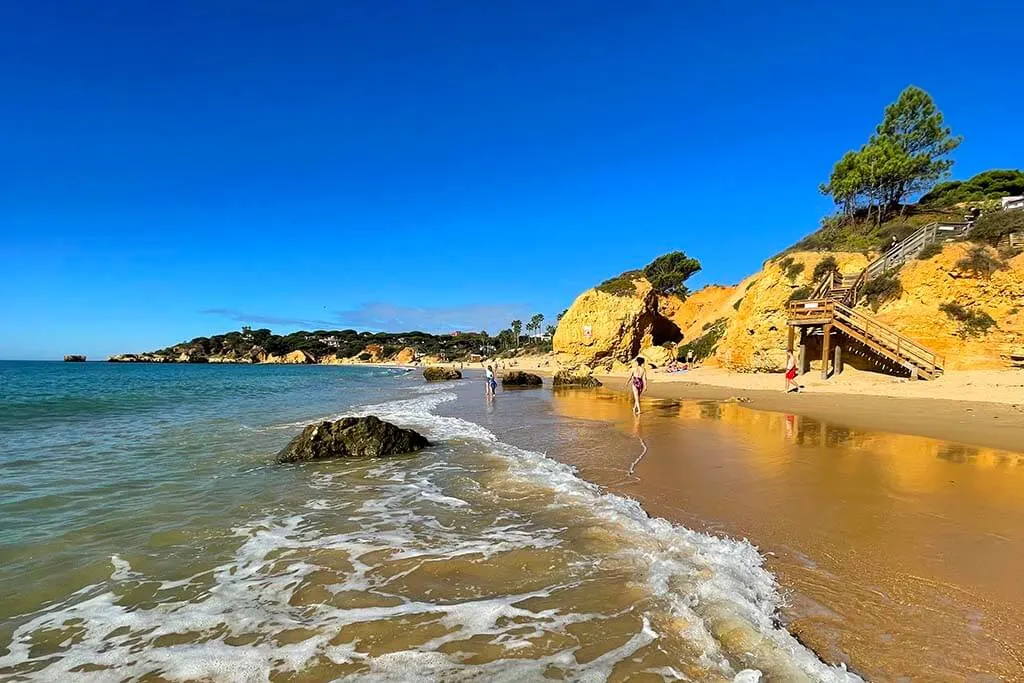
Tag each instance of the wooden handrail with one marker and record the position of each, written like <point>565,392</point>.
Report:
<point>902,342</point>
<point>823,286</point>
<point>910,245</point>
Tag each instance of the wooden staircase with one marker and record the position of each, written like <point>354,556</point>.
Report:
<point>831,310</point>
<point>895,350</point>
<point>911,246</point>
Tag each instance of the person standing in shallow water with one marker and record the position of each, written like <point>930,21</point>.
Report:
<point>492,384</point>
<point>638,381</point>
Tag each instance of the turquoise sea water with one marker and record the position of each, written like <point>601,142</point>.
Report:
<point>146,533</point>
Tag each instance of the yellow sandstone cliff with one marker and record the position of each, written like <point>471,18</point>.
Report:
<point>406,355</point>
<point>936,281</point>
<point>702,308</point>
<point>608,329</point>
<point>605,330</point>
<point>755,336</point>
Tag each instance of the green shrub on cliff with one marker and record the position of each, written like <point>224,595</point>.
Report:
<point>979,263</point>
<point>824,267</point>
<point>992,227</point>
<point>621,285</point>
<point>799,294</point>
<point>881,289</point>
<point>973,323</point>
<point>666,274</point>
<point>930,250</point>
<point>704,345</point>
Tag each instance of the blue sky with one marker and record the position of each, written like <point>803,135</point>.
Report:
<point>169,170</point>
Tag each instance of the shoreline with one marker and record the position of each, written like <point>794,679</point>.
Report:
<point>988,408</point>
<point>861,526</point>
<point>988,424</point>
<point>982,408</point>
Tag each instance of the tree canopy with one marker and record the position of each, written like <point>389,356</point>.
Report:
<point>905,156</point>
<point>669,272</point>
<point>986,185</point>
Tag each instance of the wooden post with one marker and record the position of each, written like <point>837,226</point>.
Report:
<point>802,358</point>
<point>837,364</point>
<point>792,335</point>
<point>825,339</point>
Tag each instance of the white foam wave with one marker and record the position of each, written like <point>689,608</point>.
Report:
<point>719,584</point>
<point>235,626</point>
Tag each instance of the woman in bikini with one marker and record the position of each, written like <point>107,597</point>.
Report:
<point>638,380</point>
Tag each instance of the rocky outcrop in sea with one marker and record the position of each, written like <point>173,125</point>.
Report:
<point>439,374</point>
<point>518,378</point>
<point>352,437</point>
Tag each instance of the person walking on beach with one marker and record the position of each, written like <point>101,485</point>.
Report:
<point>638,380</point>
<point>791,384</point>
<point>492,384</point>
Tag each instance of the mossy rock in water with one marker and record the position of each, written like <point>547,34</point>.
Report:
<point>568,378</point>
<point>518,378</point>
<point>352,437</point>
<point>436,374</point>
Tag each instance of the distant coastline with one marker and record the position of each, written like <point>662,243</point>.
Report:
<point>326,347</point>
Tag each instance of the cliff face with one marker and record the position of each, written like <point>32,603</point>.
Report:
<point>929,284</point>
<point>601,329</point>
<point>375,351</point>
<point>605,329</point>
<point>293,358</point>
<point>755,336</point>
<point>703,308</point>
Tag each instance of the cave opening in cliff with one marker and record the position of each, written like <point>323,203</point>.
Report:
<point>665,331</point>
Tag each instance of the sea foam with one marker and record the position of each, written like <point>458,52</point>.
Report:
<point>247,618</point>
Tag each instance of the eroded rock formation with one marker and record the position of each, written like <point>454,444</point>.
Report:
<point>440,374</point>
<point>575,377</point>
<point>406,355</point>
<point>603,329</point>
<point>352,437</point>
<point>518,378</point>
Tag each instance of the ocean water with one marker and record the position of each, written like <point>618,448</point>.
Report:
<point>147,535</point>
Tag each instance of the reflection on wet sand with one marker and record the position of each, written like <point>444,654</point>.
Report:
<point>900,554</point>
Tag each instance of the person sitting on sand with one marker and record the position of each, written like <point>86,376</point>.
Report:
<point>491,383</point>
<point>638,380</point>
<point>791,384</point>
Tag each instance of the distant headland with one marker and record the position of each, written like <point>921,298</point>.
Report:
<point>329,347</point>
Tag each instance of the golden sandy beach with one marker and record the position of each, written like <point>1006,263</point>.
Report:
<point>895,551</point>
<point>890,511</point>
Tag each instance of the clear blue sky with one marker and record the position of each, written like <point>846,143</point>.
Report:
<point>169,170</point>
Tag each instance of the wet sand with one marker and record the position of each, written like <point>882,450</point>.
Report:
<point>900,554</point>
<point>995,425</point>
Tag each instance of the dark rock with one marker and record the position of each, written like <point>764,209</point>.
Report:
<point>566,378</point>
<point>518,378</point>
<point>438,374</point>
<point>352,437</point>
<point>74,358</point>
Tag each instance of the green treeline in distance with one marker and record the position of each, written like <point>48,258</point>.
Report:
<point>320,343</point>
